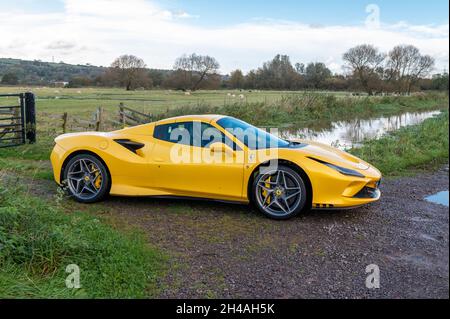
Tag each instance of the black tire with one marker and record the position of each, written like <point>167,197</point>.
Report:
<point>277,198</point>
<point>90,197</point>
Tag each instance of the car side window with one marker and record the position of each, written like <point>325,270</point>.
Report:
<point>174,133</point>
<point>210,135</point>
<point>198,134</point>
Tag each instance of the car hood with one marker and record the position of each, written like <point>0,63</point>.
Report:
<point>332,155</point>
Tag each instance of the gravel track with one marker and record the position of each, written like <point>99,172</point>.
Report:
<point>231,251</point>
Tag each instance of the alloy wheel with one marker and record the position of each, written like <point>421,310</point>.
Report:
<point>278,193</point>
<point>84,179</point>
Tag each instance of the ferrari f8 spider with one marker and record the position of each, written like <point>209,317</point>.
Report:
<point>214,157</point>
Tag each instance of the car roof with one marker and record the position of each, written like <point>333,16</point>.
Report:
<point>185,118</point>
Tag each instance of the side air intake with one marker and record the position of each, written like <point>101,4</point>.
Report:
<point>130,145</point>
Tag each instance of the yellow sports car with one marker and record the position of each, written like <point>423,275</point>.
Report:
<point>213,157</point>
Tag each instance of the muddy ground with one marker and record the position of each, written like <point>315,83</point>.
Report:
<point>230,251</point>
<point>223,250</point>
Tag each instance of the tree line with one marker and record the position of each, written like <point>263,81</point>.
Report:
<point>190,72</point>
<point>401,70</point>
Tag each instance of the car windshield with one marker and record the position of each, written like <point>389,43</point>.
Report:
<point>253,137</point>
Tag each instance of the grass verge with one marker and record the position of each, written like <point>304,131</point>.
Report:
<point>420,147</point>
<point>312,109</point>
<point>38,240</point>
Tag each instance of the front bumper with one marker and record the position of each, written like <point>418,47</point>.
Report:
<point>57,159</point>
<point>345,192</point>
<point>369,193</point>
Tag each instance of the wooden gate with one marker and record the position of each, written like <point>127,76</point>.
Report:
<point>17,119</point>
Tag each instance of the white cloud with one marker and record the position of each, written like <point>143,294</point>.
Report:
<point>97,31</point>
<point>184,15</point>
<point>61,45</point>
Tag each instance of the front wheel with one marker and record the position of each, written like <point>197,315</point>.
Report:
<point>87,178</point>
<point>279,193</point>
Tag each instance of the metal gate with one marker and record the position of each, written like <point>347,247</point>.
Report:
<point>17,119</point>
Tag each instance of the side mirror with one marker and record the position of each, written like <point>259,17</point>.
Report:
<point>221,148</point>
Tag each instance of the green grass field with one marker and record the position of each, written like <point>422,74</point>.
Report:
<point>86,100</point>
<point>272,108</point>
<point>420,147</point>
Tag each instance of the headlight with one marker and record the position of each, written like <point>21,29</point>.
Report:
<point>342,170</point>
<point>345,171</point>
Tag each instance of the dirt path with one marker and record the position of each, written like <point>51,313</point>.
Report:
<point>230,251</point>
<point>224,250</point>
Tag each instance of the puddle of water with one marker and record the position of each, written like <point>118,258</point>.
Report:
<point>345,135</point>
<point>439,198</point>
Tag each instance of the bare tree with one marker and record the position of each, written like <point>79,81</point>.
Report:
<point>405,66</point>
<point>364,61</point>
<point>130,71</point>
<point>195,68</point>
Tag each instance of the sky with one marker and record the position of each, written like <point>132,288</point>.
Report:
<point>239,34</point>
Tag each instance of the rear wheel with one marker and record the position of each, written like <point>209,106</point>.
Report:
<point>279,193</point>
<point>87,178</point>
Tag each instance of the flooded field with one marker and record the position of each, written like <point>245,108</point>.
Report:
<point>347,134</point>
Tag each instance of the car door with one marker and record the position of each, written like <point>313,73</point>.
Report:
<point>183,164</point>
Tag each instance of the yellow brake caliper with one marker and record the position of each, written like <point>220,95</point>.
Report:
<point>98,181</point>
<point>97,178</point>
<point>264,192</point>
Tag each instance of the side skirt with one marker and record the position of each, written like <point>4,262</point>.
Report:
<point>337,208</point>
<point>201,199</point>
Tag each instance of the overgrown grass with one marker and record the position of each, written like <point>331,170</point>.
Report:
<point>420,147</point>
<point>38,240</point>
<point>308,109</point>
<point>33,169</point>
<point>35,152</point>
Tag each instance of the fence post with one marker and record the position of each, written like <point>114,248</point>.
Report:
<point>99,119</point>
<point>64,125</point>
<point>30,117</point>
<point>23,106</point>
<point>121,114</point>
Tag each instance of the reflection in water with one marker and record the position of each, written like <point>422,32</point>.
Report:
<point>350,134</point>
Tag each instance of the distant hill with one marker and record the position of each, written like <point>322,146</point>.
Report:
<point>43,73</point>
<point>38,72</point>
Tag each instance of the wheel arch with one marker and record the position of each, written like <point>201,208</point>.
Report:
<point>79,152</point>
<point>295,167</point>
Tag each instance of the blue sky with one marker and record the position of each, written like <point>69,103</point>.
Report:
<point>240,34</point>
<point>323,12</point>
